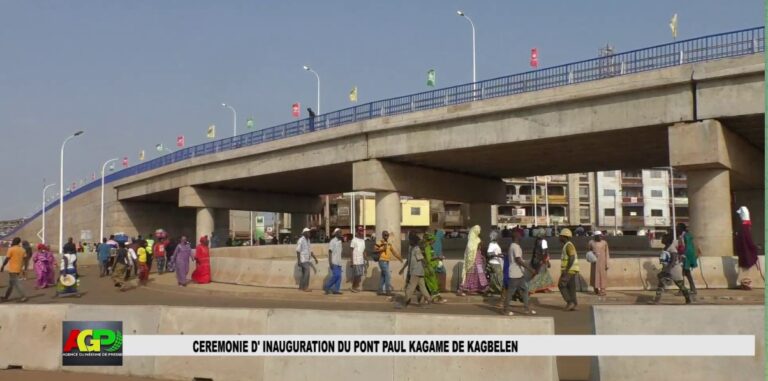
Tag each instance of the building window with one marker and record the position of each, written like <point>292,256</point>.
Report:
<point>657,213</point>
<point>656,193</point>
<point>609,192</point>
<point>609,174</point>
<point>583,191</point>
<point>584,212</point>
<point>435,218</point>
<point>655,174</point>
<point>610,212</point>
<point>415,211</point>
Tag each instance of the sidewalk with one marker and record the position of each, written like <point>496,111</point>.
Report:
<point>167,282</point>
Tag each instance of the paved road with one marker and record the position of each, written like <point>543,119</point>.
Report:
<point>163,290</point>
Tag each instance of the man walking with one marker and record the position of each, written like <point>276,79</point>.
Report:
<point>358,247</point>
<point>150,246</point>
<point>569,270</point>
<point>672,270</point>
<point>15,260</point>
<point>517,277</point>
<point>386,251</point>
<point>103,257</point>
<point>415,265</point>
<point>333,284</point>
<point>303,259</point>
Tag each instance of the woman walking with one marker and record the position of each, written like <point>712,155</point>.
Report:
<point>182,255</point>
<point>202,273</point>
<point>495,259</point>
<point>599,274</point>
<point>542,281</point>
<point>43,262</point>
<point>430,270</point>
<point>473,277</point>
<point>690,254</point>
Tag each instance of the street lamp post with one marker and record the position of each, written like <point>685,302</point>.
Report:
<point>234,121</point>
<point>101,221</point>
<point>309,69</point>
<point>61,190</point>
<point>42,239</point>
<point>474,71</point>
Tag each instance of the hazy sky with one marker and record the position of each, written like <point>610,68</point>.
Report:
<point>136,73</point>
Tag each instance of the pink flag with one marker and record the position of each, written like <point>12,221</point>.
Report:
<point>125,161</point>
<point>534,58</point>
<point>180,141</point>
<point>296,110</point>
<point>93,175</point>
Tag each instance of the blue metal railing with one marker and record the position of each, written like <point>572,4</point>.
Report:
<point>717,46</point>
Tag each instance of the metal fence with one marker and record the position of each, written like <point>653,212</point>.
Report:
<point>717,46</point>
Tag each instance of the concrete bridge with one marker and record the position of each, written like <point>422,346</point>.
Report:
<point>697,105</point>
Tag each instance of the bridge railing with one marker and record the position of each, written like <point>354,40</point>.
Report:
<point>717,46</point>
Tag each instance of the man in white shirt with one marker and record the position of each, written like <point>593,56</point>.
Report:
<point>494,260</point>
<point>517,276</point>
<point>358,260</point>
<point>303,258</point>
<point>333,284</point>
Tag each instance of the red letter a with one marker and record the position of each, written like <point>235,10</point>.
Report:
<point>71,340</point>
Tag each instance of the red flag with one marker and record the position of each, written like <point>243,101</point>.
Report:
<point>296,110</point>
<point>534,58</point>
<point>180,141</point>
<point>125,161</point>
<point>74,185</point>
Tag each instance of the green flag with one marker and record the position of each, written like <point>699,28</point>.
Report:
<point>431,78</point>
<point>249,123</point>
<point>159,147</point>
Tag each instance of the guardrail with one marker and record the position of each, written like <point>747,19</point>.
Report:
<point>712,47</point>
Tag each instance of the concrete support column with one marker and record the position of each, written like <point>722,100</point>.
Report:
<point>204,225</point>
<point>709,205</point>
<point>480,214</point>
<point>388,216</point>
<point>298,223</point>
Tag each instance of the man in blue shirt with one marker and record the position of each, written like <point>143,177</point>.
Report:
<point>103,257</point>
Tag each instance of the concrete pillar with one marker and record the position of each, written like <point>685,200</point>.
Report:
<point>480,214</point>
<point>388,216</point>
<point>709,205</point>
<point>298,223</point>
<point>204,225</point>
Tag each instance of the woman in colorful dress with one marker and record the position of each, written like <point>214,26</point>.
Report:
<point>43,262</point>
<point>437,255</point>
<point>473,279</point>
<point>495,262</point>
<point>430,270</point>
<point>68,281</point>
<point>202,273</point>
<point>542,281</point>
<point>182,255</point>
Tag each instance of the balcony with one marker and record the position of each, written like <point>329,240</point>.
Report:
<point>681,200</point>
<point>558,199</point>
<point>632,181</point>
<point>632,200</point>
<point>633,222</point>
<point>453,219</point>
<point>657,221</point>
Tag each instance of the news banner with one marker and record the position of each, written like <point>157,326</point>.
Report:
<point>437,345</point>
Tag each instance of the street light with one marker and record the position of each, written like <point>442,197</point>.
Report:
<point>234,121</point>
<point>42,239</point>
<point>309,69</point>
<point>61,190</point>
<point>474,71</point>
<point>101,220</point>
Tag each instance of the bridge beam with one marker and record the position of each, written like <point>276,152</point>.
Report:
<point>377,176</point>
<point>196,197</point>
<point>715,161</point>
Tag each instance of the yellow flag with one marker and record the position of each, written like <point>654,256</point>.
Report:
<point>141,155</point>
<point>673,25</point>
<point>211,132</point>
<point>353,94</point>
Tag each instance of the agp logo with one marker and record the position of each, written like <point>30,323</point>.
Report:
<point>92,343</point>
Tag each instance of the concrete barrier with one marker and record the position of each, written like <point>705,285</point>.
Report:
<point>680,320</point>
<point>40,348</point>
<point>623,273</point>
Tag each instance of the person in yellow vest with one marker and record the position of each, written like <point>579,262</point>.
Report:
<point>150,254</point>
<point>569,270</point>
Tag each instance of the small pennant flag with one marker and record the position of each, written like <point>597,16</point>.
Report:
<point>431,78</point>
<point>159,147</point>
<point>82,181</point>
<point>141,155</point>
<point>112,167</point>
<point>534,58</point>
<point>296,110</point>
<point>74,185</point>
<point>93,176</point>
<point>353,94</point>
<point>125,161</point>
<point>673,25</point>
<point>180,141</point>
<point>211,132</point>
<point>249,123</point>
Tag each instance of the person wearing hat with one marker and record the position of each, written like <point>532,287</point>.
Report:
<point>333,285</point>
<point>599,274</point>
<point>303,259</point>
<point>415,264</point>
<point>569,270</point>
<point>68,275</point>
<point>358,246</point>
